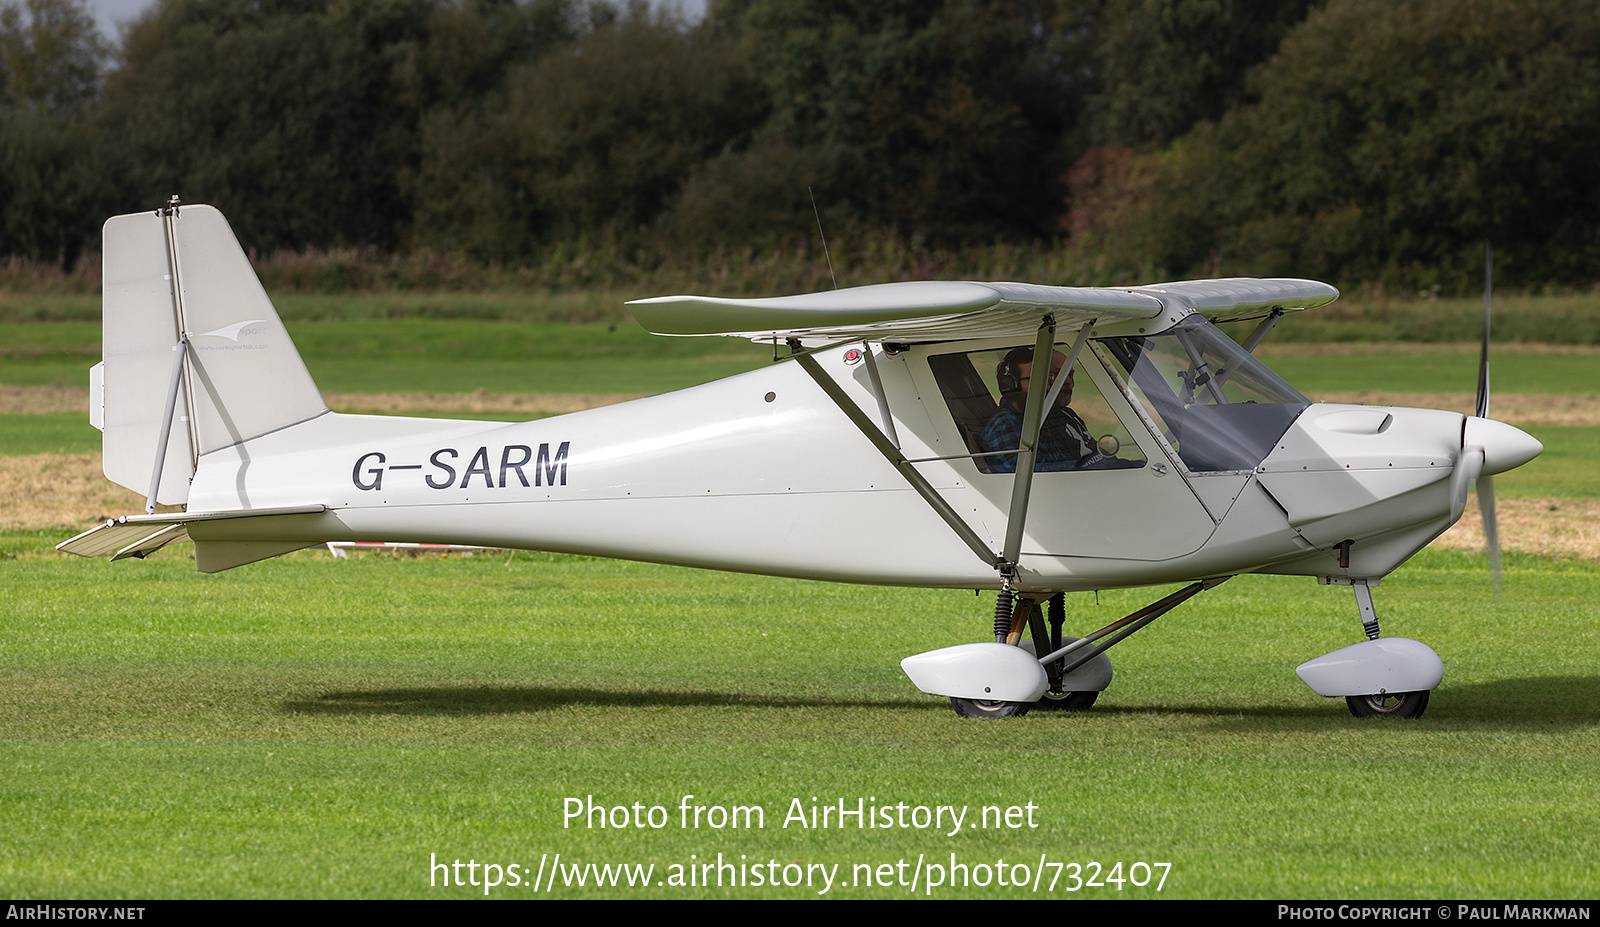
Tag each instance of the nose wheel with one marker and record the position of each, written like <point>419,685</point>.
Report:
<point>1380,677</point>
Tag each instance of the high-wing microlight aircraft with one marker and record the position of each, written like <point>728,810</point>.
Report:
<point>911,434</point>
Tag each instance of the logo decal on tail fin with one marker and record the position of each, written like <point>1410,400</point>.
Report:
<point>234,331</point>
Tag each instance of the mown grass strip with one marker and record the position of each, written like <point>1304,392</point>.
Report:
<point>313,728</point>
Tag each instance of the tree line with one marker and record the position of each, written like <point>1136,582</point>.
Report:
<point>1360,141</point>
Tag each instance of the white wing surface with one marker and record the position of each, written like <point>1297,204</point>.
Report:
<point>1233,299</point>
<point>910,312</point>
<point>959,310</point>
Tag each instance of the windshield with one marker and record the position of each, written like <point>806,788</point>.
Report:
<point>1218,407</point>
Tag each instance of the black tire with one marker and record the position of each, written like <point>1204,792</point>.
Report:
<point>1392,705</point>
<point>973,708</point>
<point>1066,701</point>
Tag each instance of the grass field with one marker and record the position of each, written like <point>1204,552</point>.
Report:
<point>308,727</point>
<point>435,355</point>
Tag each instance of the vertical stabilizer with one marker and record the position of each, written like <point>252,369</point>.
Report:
<point>178,278</point>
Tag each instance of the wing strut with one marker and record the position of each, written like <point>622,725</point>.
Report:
<point>891,453</point>
<point>1041,393</point>
<point>1260,331</point>
<point>878,393</point>
<point>1032,423</point>
<point>1250,344</point>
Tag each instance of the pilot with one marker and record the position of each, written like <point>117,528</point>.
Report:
<point>1064,440</point>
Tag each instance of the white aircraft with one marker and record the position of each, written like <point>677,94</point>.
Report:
<point>896,442</point>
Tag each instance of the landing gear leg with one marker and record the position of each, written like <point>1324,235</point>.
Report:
<point>1008,613</point>
<point>1056,699</point>
<point>1380,677</point>
<point>1382,704</point>
<point>1369,614</point>
<point>1001,680</point>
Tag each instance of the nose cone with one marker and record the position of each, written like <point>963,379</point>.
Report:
<point>1504,447</point>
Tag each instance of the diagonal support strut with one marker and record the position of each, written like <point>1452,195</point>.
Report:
<point>907,469</point>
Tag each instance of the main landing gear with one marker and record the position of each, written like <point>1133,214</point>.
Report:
<point>1074,690</point>
<point>988,708</point>
<point>1009,678</point>
<point>1381,677</point>
<point>1388,705</point>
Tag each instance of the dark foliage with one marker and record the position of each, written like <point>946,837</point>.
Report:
<point>1390,141</point>
<point>940,119</point>
<point>52,176</point>
<point>1161,66</point>
<point>1354,140</point>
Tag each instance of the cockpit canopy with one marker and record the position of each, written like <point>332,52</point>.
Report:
<point>1217,406</point>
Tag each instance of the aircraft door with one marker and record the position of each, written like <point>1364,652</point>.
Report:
<point>1103,486</point>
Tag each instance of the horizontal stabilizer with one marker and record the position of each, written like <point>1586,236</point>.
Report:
<point>112,537</point>
<point>955,310</point>
<point>216,556</point>
<point>140,535</point>
<point>146,546</point>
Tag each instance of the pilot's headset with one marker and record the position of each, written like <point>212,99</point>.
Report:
<point>1007,375</point>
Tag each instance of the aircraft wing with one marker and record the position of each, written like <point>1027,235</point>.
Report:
<point>958,310</point>
<point>909,312</point>
<point>1234,299</point>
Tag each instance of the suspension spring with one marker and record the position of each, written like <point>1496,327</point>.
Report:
<point>1002,613</point>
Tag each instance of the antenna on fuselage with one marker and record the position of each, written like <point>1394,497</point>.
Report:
<point>823,235</point>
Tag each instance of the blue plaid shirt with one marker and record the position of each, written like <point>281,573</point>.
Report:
<point>1064,442</point>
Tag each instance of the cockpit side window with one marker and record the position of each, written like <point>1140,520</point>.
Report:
<point>985,392</point>
<point>972,401</point>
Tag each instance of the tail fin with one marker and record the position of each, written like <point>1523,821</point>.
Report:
<point>182,305</point>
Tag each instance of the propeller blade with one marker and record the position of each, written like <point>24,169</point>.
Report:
<point>1467,469</point>
<point>1483,356</point>
<point>1491,534</point>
